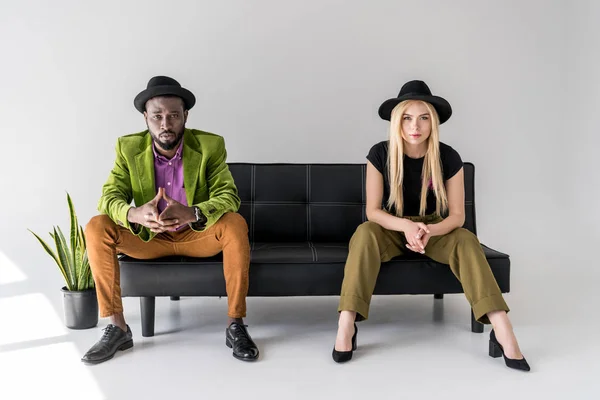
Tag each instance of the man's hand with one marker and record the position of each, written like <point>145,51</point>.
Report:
<point>147,215</point>
<point>176,213</point>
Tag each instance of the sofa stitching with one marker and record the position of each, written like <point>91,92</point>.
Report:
<point>252,202</point>
<point>308,233</point>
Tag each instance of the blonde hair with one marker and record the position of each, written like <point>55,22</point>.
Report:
<point>432,169</point>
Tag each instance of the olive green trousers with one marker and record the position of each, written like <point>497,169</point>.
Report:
<point>460,249</point>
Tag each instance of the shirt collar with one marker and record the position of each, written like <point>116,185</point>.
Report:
<point>161,157</point>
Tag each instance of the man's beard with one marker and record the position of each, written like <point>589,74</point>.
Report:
<point>168,144</point>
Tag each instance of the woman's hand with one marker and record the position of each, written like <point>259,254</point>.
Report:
<point>416,233</point>
<point>424,239</point>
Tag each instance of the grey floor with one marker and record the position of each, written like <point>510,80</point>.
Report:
<point>411,346</point>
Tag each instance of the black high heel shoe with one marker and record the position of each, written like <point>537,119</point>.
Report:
<point>343,356</point>
<point>496,351</point>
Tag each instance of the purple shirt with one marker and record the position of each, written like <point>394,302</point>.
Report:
<point>169,175</point>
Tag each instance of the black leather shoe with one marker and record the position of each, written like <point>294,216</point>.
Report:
<point>343,356</point>
<point>238,338</point>
<point>113,339</point>
<point>496,351</point>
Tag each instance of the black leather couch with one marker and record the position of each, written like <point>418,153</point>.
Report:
<point>300,219</point>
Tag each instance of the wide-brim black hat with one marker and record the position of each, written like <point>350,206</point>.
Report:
<point>163,86</point>
<point>416,90</point>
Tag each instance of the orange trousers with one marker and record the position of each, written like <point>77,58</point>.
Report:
<point>105,240</point>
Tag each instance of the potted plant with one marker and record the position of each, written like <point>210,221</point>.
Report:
<point>79,295</point>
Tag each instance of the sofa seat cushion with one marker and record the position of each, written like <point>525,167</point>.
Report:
<point>301,253</point>
<point>294,269</point>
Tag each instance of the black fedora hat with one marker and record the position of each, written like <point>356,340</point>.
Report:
<point>416,90</point>
<point>163,86</point>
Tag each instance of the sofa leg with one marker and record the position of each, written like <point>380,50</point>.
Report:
<point>476,327</point>
<point>174,298</point>
<point>438,296</point>
<point>147,306</point>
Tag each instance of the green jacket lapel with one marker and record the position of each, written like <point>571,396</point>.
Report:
<point>192,157</point>
<point>145,165</point>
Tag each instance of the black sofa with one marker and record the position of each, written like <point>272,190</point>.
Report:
<point>300,219</point>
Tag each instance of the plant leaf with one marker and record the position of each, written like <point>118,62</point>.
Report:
<point>73,237</point>
<point>79,272</point>
<point>64,256</point>
<point>78,257</point>
<point>89,282</point>
<point>82,237</point>
<point>53,255</point>
<point>83,264</point>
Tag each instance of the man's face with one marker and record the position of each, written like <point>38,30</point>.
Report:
<point>165,117</point>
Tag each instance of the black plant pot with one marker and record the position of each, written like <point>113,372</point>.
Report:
<point>81,308</point>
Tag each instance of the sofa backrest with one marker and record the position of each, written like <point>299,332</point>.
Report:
<point>311,202</point>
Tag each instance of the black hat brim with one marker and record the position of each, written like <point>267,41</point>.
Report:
<point>140,100</point>
<point>440,104</point>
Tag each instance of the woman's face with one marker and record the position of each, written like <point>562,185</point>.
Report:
<point>416,124</point>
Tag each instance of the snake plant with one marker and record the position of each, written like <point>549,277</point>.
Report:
<point>70,257</point>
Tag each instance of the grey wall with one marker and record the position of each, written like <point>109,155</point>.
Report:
<point>581,103</point>
<point>301,82</point>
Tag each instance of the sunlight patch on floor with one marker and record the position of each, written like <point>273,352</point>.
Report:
<point>29,317</point>
<point>47,372</point>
